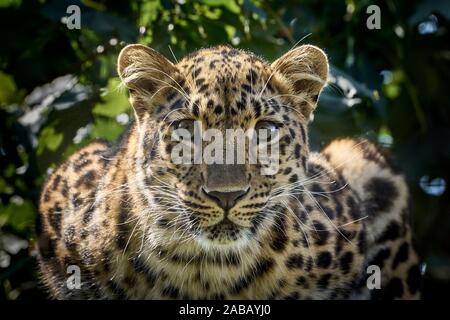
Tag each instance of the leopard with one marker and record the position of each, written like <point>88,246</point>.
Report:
<point>135,224</point>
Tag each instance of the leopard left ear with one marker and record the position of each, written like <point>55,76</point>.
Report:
<point>145,72</point>
<point>143,68</point>
<point>305,69</point>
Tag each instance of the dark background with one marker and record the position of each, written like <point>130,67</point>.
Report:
<point>58,91</point>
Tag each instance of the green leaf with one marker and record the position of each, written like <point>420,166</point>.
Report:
<point>149,12</point>
<point>4,187</point>
<point>20,216</point>
<point>106,129</point>
<point>230,5</point>
<point>10,3</point>
<point>8,89</point>
<point>392,91</point>
<point>114,102</point>
<point>49,139</point>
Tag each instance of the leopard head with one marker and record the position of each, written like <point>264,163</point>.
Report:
<point>213,203</point>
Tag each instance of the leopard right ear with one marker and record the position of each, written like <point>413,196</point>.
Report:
<point>306,70</point>
<point>144,72</point>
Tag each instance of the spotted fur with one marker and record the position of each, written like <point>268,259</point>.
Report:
<point>139,226</point>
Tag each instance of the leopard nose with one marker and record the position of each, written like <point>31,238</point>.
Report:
<point>226,200</point>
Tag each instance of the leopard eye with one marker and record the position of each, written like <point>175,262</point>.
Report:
<point>268,125</point>
<point>271,128</point>
<point>187,124</point>
<point>184,130</point>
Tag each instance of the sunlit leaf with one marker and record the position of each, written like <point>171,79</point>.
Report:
<point>229,4</point>
<point>106,129</point>
<point>49,139</point>
<point>19,215</point>
<point>114,101</point>
<point>8,89</point>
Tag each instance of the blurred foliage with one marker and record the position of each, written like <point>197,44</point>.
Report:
<point>58,91</point>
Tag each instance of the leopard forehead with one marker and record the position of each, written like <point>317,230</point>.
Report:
<point>223,63</point>
<point>228,74</point>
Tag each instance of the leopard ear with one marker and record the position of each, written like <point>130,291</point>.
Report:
<point>305,69</point>
<point>144,71</point>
